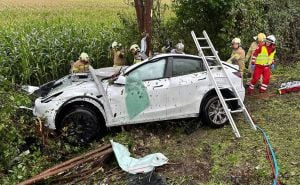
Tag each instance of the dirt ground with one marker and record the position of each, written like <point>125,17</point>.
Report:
<point>199,154</point>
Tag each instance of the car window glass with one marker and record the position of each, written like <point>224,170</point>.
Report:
<point>149,71</point>
<point>184,66</point>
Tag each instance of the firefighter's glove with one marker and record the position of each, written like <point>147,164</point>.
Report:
<point>252,67</point>
<point>272,66</point>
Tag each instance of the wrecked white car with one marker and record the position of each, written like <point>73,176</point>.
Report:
<point>165,87</point>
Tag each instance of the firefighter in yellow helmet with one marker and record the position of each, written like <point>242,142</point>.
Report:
<point>117,54</point>
<point>137,55</point>
<point>258,40</point>
<point>238,55</point>
<point>82,64</point>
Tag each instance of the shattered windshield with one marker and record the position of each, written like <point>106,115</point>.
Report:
<point>60,84</point>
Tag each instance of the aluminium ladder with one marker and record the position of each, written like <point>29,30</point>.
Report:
<point>223,100</point>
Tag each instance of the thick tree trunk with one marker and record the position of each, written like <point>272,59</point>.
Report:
<point>139,8</point>
<point>144,18</point>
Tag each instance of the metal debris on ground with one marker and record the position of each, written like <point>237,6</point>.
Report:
<point>84,166</point>
<point>289,87</point>
<point>132,165</point>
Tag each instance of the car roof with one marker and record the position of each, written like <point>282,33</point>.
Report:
<point>174,54</point>
<point>130,68</point>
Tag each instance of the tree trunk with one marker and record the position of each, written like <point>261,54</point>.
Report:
<point>144,18</point>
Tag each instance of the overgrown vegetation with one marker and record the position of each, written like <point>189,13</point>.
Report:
<point>38,41</point>
<point>224,20</point>
<point>39,47</point>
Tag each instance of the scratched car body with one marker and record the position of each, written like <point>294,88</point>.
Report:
<point>177,86</point>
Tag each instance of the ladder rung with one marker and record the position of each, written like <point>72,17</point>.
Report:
<point>221,88</point>
<point>215,66</point>
<point>205,47</point>
<point>210,56</point>
<point>201,38</point>
<point>230,99</point>
<point>236,111</point>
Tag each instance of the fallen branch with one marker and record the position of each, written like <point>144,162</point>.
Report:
<point>99,154</point>
<point>102,148</point>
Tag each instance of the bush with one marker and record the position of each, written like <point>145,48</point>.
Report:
<point>14,127</point>
<point>224,20</point>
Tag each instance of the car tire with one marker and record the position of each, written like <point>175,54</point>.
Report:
<point>81,125</point>
<point>214,113</point>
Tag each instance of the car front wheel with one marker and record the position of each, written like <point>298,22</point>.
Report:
<point>214,113</point>
<point>81,125</point>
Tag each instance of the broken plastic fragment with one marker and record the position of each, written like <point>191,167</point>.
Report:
<point>133,165</point>
<point>136,96</point>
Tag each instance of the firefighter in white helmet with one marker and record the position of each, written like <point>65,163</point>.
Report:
<point>82,64</point>
<point>179,48</point>
<point>238,55</point>
<point>137,55</point>
<point>261,62</point>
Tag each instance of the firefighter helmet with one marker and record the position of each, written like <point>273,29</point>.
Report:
<point>236,41</point>
<point>84,56</point>
<point>260,37</point>
<point>134,47</point>
<point>114,44</point>
<point>271,39</point>
<point>179,47</point>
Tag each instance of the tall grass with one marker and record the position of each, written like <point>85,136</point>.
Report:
<point>37,42</point>
<point>38,39</point>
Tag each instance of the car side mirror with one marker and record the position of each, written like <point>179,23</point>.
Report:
<point>121,80</point>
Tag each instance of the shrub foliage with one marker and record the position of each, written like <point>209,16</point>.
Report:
<point>224,20</point>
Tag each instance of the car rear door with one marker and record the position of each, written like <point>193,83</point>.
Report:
<point>188,84</point>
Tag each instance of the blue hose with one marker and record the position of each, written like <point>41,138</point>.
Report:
<point>275,182</point>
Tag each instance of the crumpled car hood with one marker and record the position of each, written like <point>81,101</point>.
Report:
<point>109,71</point>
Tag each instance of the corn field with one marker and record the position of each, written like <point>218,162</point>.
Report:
<point>39,39</point>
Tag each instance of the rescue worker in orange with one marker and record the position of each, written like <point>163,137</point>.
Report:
<point>82,64</point>
<point>237,55</point>
<point>261,62</point>
<point>258,40</point>
<point>118,54</point>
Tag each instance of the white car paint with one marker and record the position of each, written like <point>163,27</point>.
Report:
<point>170,97</point>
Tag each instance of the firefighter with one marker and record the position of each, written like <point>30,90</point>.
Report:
<point>261,62</point>
<point>238,55</point>
<point>82,64</point>
<point>258,40</point>
<point>137,55</point>
<point>179,48</point>
<point>167,48</point>
<point>118,54</point>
